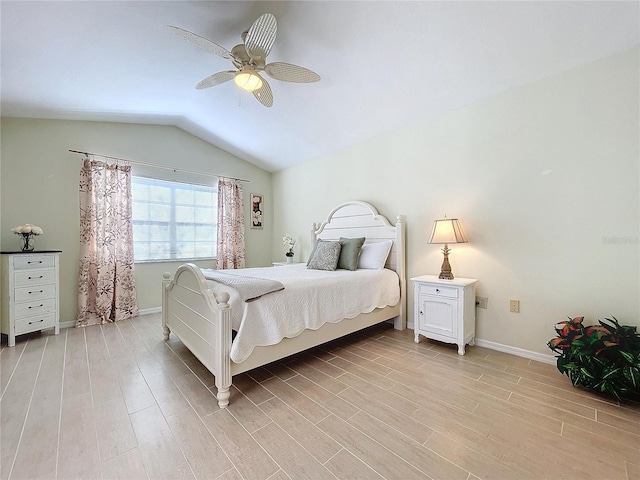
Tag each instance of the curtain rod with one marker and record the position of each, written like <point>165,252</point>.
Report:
<point>160,166</point>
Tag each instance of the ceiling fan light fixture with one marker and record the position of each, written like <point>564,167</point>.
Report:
<point>248,79</point>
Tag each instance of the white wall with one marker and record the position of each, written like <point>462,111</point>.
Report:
<point>40,186</point>
<point>545,180</point>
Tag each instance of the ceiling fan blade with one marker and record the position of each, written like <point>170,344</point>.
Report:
<point>263,94</point>
<point>202,42</point>
<point>215,79</point>
<point>261,36</point>
<point>291,73</point>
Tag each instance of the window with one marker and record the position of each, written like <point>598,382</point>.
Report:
<point>172,220</point>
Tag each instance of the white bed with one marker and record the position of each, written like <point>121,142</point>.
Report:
<point>202,312</point>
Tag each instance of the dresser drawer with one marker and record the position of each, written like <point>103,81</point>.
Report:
<point>38,322</point>
<point>39,292</point>
<point>38,307</point>
<point>23,262</point>
<point>27,278</point>
<point>448,292</point>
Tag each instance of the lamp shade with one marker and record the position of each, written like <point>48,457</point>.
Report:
<point>248,79</point>
<point>447,230</point>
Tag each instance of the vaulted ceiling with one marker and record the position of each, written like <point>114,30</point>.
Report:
<point>384,65</point>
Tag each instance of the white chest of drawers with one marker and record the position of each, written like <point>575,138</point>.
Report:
<point>445,310</point>
<point>30,299</point>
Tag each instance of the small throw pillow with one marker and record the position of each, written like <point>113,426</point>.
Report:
<point>313,252</point>
<point>350,252</point>
<point>373,256</point>
<point>326,256</point>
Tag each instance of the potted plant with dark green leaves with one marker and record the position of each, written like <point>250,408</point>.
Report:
<point>604,357</point>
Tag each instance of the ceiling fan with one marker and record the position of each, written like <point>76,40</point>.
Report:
<point>249,58</point>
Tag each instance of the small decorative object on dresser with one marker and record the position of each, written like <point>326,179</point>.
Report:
<point>445,310</point>
<point>27,233</point>
<point>29,293</point>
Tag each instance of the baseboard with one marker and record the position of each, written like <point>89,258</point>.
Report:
<point>144,311</point>
<point>519,352</point>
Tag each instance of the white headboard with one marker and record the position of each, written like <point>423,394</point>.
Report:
<point>361,219</point>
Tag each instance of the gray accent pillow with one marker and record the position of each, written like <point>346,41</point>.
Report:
<point>350,252</point>
<point>326,256</point>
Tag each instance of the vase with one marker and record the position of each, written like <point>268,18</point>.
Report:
<point>289,259</point>
<point>26,242</point>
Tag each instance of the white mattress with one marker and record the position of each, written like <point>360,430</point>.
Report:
<point>310,299</point>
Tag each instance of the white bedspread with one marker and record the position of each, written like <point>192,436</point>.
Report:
<point>310,299</point>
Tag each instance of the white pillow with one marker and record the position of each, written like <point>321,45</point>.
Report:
<point>373,256</point>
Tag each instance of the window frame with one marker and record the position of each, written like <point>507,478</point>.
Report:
<point>172,223</point>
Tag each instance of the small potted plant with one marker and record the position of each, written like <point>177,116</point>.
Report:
<point>604,357</point>
<point>288,243</point>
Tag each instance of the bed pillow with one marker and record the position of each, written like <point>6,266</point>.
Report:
<point>325,257</point>
<point>350,252</point>
<point>373,256</point>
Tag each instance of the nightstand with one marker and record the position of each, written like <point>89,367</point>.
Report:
<point>445,310</point>
<point>285,264</point>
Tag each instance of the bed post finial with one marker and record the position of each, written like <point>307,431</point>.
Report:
<point>314,238</point>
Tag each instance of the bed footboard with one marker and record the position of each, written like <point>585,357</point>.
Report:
<point>201,321</point>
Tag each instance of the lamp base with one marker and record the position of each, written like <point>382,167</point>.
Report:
<point>445,270</point>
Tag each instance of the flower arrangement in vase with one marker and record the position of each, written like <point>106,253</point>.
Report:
<point>288,243</point>
<point>27,232</point>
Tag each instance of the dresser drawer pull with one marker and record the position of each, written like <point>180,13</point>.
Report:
<point>39,321</point>
<point>437,290</point>
<point>37,306</point>
<point>29,263</point>
<point>41,276</point>
<point>39,291</point>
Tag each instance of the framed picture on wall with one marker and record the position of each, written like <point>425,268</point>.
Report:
<point>256,210</point>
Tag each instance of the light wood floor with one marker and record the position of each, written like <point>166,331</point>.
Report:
<point>117,402</point>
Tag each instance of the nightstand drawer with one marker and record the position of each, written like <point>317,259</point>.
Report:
<point>33,261</point>
<point>439,290</point>
<point>27,278</point>
<point>39,292</point>
<point>38,307</point>
<point>31,324</point>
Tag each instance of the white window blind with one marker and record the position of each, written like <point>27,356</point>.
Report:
<point>173,220</point>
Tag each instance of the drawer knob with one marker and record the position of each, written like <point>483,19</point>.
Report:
<point>437,290</point>
<point>31,278</point>
<point>38,306</point>
<point>421,313</point>
<point>39,321</point>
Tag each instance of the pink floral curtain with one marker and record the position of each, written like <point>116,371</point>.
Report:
<point>107,291</point>
<point>230,251</point>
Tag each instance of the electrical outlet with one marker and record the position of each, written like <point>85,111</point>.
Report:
<point>481,302</point>
<point>514,306</point>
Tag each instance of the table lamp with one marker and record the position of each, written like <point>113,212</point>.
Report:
<point>447,231</point>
